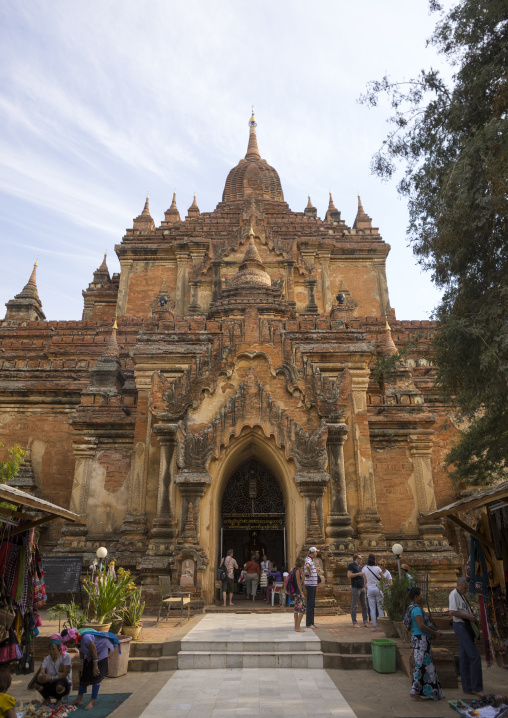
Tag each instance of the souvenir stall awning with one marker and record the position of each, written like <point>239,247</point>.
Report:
<point>22,501</point>
<point>494,495</point>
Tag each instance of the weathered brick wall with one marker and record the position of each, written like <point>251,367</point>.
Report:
<point>395,499</point>
<point>144,284</point>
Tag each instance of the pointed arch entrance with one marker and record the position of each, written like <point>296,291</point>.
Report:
<point>253,514</point>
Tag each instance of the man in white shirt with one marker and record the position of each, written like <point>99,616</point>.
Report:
<point>311,582</point>
<point>470,660</point>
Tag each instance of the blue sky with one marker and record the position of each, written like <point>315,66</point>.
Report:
<point>102,102</point>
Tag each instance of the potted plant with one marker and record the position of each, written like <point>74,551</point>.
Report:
<point>396,602</point>
<point>131,614</point>
<point>75,616</point>
<point>107,593</point>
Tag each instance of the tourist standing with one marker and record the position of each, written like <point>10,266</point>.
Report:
<point>311,582</point>
<point>386,573</point>
<point>470,662</point>
<point>298,595</point>
<point>266,565</point>
<point>372,575</point>
<point>252,576</point>
<point>229,582</point>
<point>354,573</point>
<point>425,680</point>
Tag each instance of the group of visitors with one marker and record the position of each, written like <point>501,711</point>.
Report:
<point>366,588</point>
<point>367,584</point>
<point>300,584</point>
<point>263,574</point>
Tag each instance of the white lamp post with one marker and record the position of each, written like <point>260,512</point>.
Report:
<point>101,554</point>
<point>397,549</point>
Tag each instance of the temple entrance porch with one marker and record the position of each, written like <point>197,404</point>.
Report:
<point>253,515</point>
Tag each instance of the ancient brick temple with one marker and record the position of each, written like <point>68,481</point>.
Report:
<point>220,392</point>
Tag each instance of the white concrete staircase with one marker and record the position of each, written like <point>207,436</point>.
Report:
<point>249,641</point>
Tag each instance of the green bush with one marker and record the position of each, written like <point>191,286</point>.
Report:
<point>396,597</point>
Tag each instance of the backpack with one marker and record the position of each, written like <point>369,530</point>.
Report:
<point>223,573</point>
<point>291,584</point>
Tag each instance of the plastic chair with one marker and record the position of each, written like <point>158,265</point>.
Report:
<point>276,589</point>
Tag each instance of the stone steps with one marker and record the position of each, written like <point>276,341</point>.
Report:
<point>189,660</point>
<point>160,663</point>
<point>248,646</point>
<point>348,661</point>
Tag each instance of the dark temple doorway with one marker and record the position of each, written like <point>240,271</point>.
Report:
<point>253,514</point>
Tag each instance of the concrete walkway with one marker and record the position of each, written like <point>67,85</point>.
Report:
<point>207,689</point>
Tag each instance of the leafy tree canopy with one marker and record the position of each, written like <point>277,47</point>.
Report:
<point>451,138</point>
<point>9,468</point>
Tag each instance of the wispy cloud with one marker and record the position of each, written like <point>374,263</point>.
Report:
<point>100,102</point>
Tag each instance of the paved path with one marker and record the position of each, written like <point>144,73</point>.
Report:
<point>249,692</point>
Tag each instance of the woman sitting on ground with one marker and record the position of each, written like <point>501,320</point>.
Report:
<point>425,681</point>
<point>55,677</point>
<point>273,577</point>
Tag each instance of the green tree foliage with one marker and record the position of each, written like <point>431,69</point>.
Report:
<point>451,138</point>
<point>9,469</point>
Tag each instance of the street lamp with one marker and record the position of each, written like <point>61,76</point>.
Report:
<point>101,554</point>
<point>397,549</point>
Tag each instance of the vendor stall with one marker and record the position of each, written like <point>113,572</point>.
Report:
<point>22,590</point>
<point>484,517</point>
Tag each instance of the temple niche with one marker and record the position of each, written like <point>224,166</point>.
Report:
<point>219,393</point>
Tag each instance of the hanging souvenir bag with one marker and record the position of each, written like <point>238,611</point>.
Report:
<point>40,596</point>
<point>7,616</point>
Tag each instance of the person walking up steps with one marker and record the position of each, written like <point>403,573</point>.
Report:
<point>311,582</point>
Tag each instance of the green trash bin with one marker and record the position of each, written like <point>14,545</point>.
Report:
<point>384,655</point>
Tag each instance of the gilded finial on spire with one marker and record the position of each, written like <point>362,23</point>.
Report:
<point>387,326</point>
<point>115,325</point>
<point>251,231</point>
<point>252,148</point>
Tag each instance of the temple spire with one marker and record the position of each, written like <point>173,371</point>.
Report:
<point>252,148</point>
<point>172,215</point>
<point>103,269</point>
<point>332,213</point>
<point>26,305</point>
<point>146,208</point>
<point>385,343</point>
<point>33,277</point>
<point>112,345</point>
<point>362,221</point>
<point>193,210</point>
<point>310,210</point>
